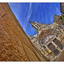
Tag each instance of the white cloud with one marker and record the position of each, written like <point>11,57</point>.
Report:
<point>28,16</point>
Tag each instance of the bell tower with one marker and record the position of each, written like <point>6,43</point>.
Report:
<point>35,25</point>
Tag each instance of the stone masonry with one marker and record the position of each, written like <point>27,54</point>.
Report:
<point>49,39</point>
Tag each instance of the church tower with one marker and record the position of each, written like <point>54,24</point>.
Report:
<point>51,37</point>
<point>35,25</point>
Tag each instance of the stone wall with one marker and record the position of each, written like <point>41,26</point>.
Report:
<point>14,43</point>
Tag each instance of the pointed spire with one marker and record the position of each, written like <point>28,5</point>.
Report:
<point>30,22</point>
<point>35,25</point>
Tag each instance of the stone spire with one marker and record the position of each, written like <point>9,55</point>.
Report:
<point>35,25</point>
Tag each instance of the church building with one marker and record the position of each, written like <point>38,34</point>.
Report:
<point>49,39</point>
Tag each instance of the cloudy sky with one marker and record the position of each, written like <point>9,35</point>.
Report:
<point>39,12</point>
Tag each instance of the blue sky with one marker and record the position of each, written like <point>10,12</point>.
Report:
<point>39,12</point>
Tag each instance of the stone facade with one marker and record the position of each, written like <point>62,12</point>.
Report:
<point>49,38</point>
<point>56,18</point>
<point>62,8</point>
